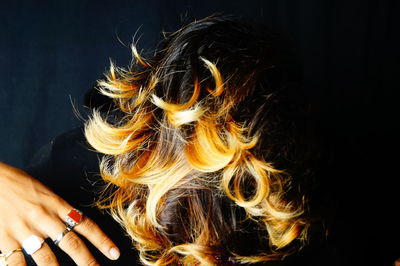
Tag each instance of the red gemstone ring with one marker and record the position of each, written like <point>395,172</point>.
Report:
<point>74,217</point>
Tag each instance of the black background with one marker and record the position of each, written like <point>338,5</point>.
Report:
<point>52,52</point>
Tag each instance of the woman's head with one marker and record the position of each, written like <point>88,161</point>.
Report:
<point>203,148</point>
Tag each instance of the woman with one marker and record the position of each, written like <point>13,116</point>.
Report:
<point>205,147</point>
<point>199,158</point>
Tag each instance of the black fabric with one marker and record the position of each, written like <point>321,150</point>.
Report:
<point>70,169</point>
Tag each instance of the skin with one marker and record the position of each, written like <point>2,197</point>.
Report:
<point>24,200</point>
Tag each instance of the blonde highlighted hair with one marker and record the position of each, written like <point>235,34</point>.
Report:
<point>191,161</point>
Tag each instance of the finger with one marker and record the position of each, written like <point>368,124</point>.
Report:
<point>45,256</point>
<point>76,249</point>
<point>17,257</point>
<point>92,232</point>
<point>70,243</point>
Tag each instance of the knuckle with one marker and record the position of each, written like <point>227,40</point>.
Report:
<point>38,212</point>
<point>19,263</point>
<point>72,241</point>
<point>17,260</point>
<point>44,259</point>
<point>58,201</point>
<point>105,243</point>
<point>92,262</point>
<point>89,225</point>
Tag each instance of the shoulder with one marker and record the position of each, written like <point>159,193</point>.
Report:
<point>66,164</point>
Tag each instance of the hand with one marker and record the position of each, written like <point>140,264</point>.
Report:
<point>27,208</point>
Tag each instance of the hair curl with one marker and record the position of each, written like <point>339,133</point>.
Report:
<point>192,158</point>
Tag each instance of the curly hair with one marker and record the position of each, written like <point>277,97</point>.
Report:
<point>195,156</point>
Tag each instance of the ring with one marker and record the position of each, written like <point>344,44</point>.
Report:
<point>32,244</point>
<point>60,236</point>
<point>74,217</point>
<point>4,257</point>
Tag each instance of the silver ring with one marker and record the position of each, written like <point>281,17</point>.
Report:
<point>4,257</point>
<point>32,244</point>
<point>61,236</point>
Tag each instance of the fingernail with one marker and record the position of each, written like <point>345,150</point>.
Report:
<point>114,253</point>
